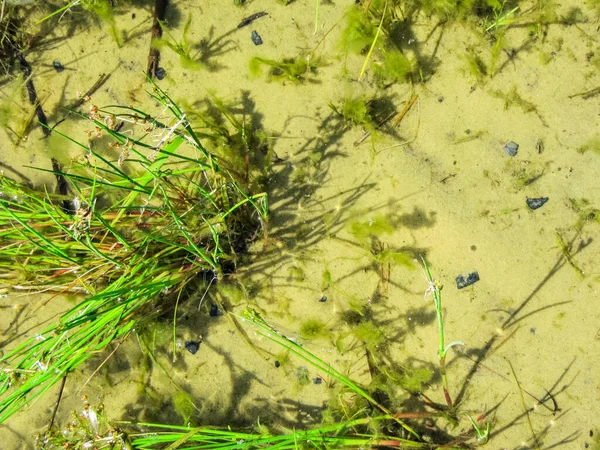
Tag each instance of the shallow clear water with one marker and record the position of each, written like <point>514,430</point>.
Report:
<point>440,184</point>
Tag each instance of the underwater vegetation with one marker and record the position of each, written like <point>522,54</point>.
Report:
<point>592,144</point>
<point>361,111</point>
<point>298,69</point>
<point>313,328</point>
<point>103,9</point>
<point>177,201</point>
<point>350,426</point>
<point>355,110</point>
<point>382,32</point>
<point>370,32</point>
<point>180,47</point>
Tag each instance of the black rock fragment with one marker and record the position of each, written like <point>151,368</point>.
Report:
<point>160,73</point>
<point>277,364</point>
<point>192,346</point>
<point>323,299</point>
<point>535,203</point>
<point>511,148</point>
<point>462,282</point>
<point>256,38</point>
<point>215,311</point>
<point>317,380</point>
<point>58,66</point>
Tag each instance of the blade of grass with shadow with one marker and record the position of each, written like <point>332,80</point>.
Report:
<point>265,330</point>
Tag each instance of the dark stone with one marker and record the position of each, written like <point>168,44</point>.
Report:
<point>317,380</point>
<point>511,148</point>
<point>277,364</point>
<point>323,299</point>
<point>58,66</point>
<point>160,73</point>
<point>192,346</point>
<point>535,203</point>
<point>215,311</point>
<point>462,282</point>
<point>256,38</point>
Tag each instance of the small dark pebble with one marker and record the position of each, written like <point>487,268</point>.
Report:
<point>215,311</point>
<point>535,203</point>
<point>277,364</point>
<point>58,66</point>
<point>317,380</point>
<point>132,16</point>
<point>511,148</point>
<point>323,299</point>
<point>256,38</point>
<point>160,73</point>
<point>192,346</point>
<point>462,282</point>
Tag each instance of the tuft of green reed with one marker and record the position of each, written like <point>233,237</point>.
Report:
<point>134,234</point>
<point>435,290</point>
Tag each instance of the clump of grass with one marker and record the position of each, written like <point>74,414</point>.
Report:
<point>169,221</point>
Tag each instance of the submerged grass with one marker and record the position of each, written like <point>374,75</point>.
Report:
<point>135,235</point>
<point>267,331</point>
<point>91,428</point>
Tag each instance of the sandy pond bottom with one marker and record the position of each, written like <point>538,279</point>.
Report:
<point>440,185</point>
